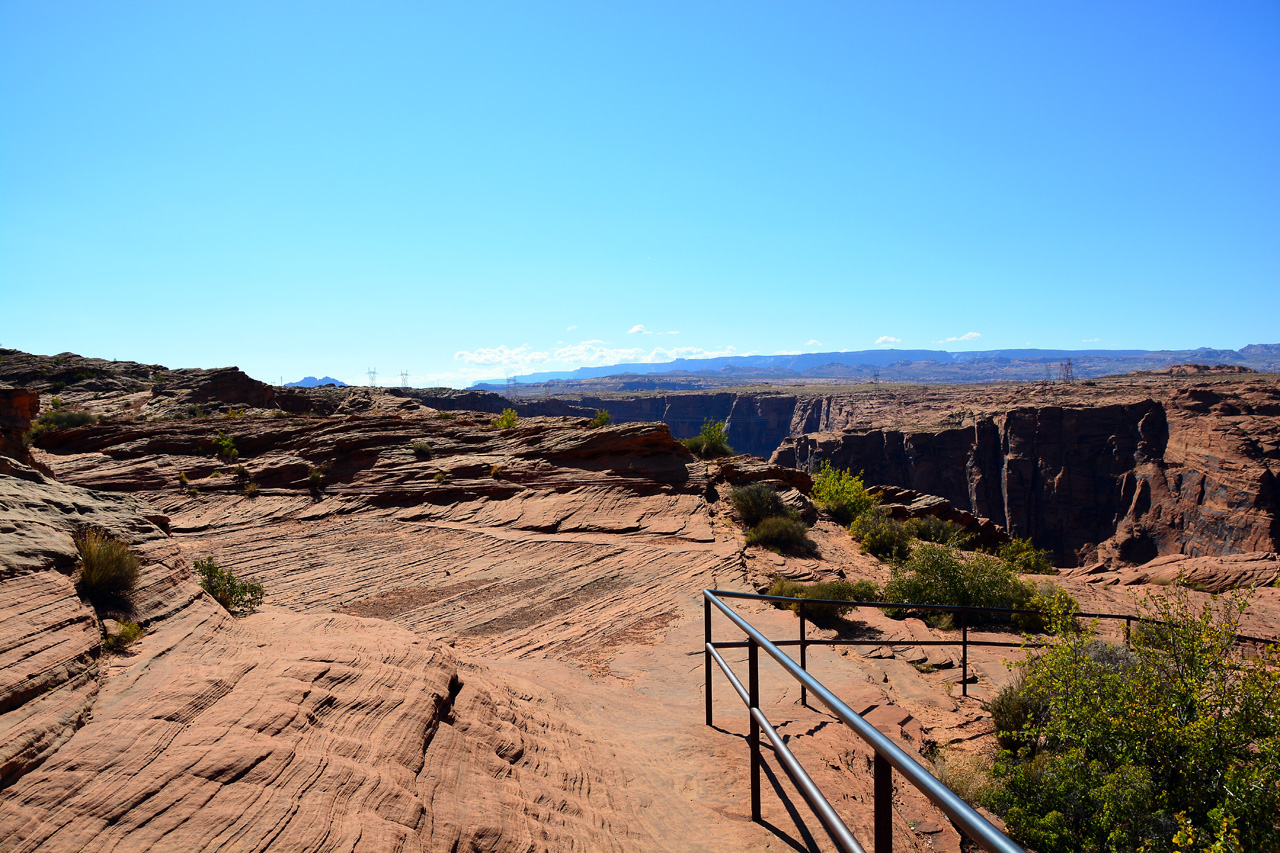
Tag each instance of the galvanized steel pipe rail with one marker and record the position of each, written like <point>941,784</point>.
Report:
<point>888,755</point>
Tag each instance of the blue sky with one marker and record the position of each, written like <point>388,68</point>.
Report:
<point>470,190</point>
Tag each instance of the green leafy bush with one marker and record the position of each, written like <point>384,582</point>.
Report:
<point>251,490</point>
<point>315,478</point>
<point>602,418</point>
<point>881,536</point>
<point>421,449</point>
<point>225,446</point>
<point>506,420</point>
<point>934,574</point>
<point>233,594</point>
<point>52,420</point>
<point>930,528</point>
<point>1025,559</point>
<point>841,495</point>
<point>782,532</point>
<point>440,477</point>
<point>108,568</point>
<point>445,416</point>
<point>711,442</point>
<point>1172,746</point>
<point>755,502</point>
<point>862,590</point>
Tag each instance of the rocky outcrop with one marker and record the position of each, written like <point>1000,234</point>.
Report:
<point>905,504</point>
<point>18,408</point>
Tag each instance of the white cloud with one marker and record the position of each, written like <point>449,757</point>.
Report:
<point>812,343</point>
<point>495,362</point>
<point>885,340</point>
<point>666,333</point>
<point>501,355</point>
<point>570,328</point>
<point>1090,340</point>
<point>638,329</point>
<point>967,336</point>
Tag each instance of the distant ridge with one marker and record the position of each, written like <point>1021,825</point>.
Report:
<point>935,366</point>
<point>312,382</point>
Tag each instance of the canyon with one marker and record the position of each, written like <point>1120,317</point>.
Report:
<point>490,639</point>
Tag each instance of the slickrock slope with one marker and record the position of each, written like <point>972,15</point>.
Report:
<point>473,639</point>
<point>561,564</point>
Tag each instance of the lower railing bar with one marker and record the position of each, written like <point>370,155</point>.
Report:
<point>970,822</point>
<point>835,827</point>
<point>728,673</point>
<point>882,806</point>
<point>812,642</point>
<point>753,738</point>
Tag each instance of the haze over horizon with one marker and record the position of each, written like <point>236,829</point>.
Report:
<point>471,191</point>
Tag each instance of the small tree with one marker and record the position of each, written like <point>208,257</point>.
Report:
<point>226,589</point>
<point>711,442</point>
<point>506,420</point>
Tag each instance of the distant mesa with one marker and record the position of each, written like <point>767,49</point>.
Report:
<point>312,382</point>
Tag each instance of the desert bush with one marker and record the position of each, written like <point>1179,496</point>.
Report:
<point>421,449</point>
<point>602,418</point>
<point>1174,745</point>
<point>55,403</point>
<point>755,502</point>
<point>242,474</point>
<point>497,472</point>
<point>862,590</point>
<point>225,446</point>
<point>1051,602</point>
<point>251,490</point>
<point>711,442</point>
<point>315,478</point>
<point>782,532</point>
<point>108,568</point>
<point>841,495</point>
<point>506,420</point>
<point>881,536</point>
<point>445,416</point>
<point>440,477</point>
<point>930,528</point>
<point>1014,711</point>
<point>233,594</point>
<point>183,479</point>
<point>1025,559</point>
<point>934,574</point>
<point>126,634</point>
<point>52,420</point>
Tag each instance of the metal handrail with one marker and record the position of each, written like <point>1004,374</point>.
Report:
<point>888,755</point>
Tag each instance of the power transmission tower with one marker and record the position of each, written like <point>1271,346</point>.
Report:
<point>404,379</point>
<point>1065,372</point>
<point>372,373</point>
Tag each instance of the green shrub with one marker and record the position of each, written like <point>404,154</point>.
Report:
<point>183,479</point>
<point>52,420</point>
<point>1143,749</point>
<point>1025,559</point>
<point>841,495</point>
<point>55,403</point>
<point>934,574</point>
<point>506,420</point>
<point>445,416</point>
<point>602,418</point>
<point>251,490</point>
<point>862,590</point>
<point>755,502</point>
<point>1015,712</point>
<point>781,532</point>
<point>126,634</point>
<point>108,568</point>
<point>711,442</point>
<point>242,474</point>
<point>440,477</point>
<point>881,536</point>
<point>497,472</point>
<point>225,446</point>
<point>1052,603</point>
<point>315,478</point>
<point>233,594</point>
<point>930,528</point>
<point>421,449</point>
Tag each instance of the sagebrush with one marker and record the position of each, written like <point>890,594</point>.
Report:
<point>108,567</point>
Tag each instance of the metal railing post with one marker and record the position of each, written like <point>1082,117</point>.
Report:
<point>753,739</point>
<point>964,652</point>
<point>882,787</point>
<point>706,653</point>
<point>804,691</point>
